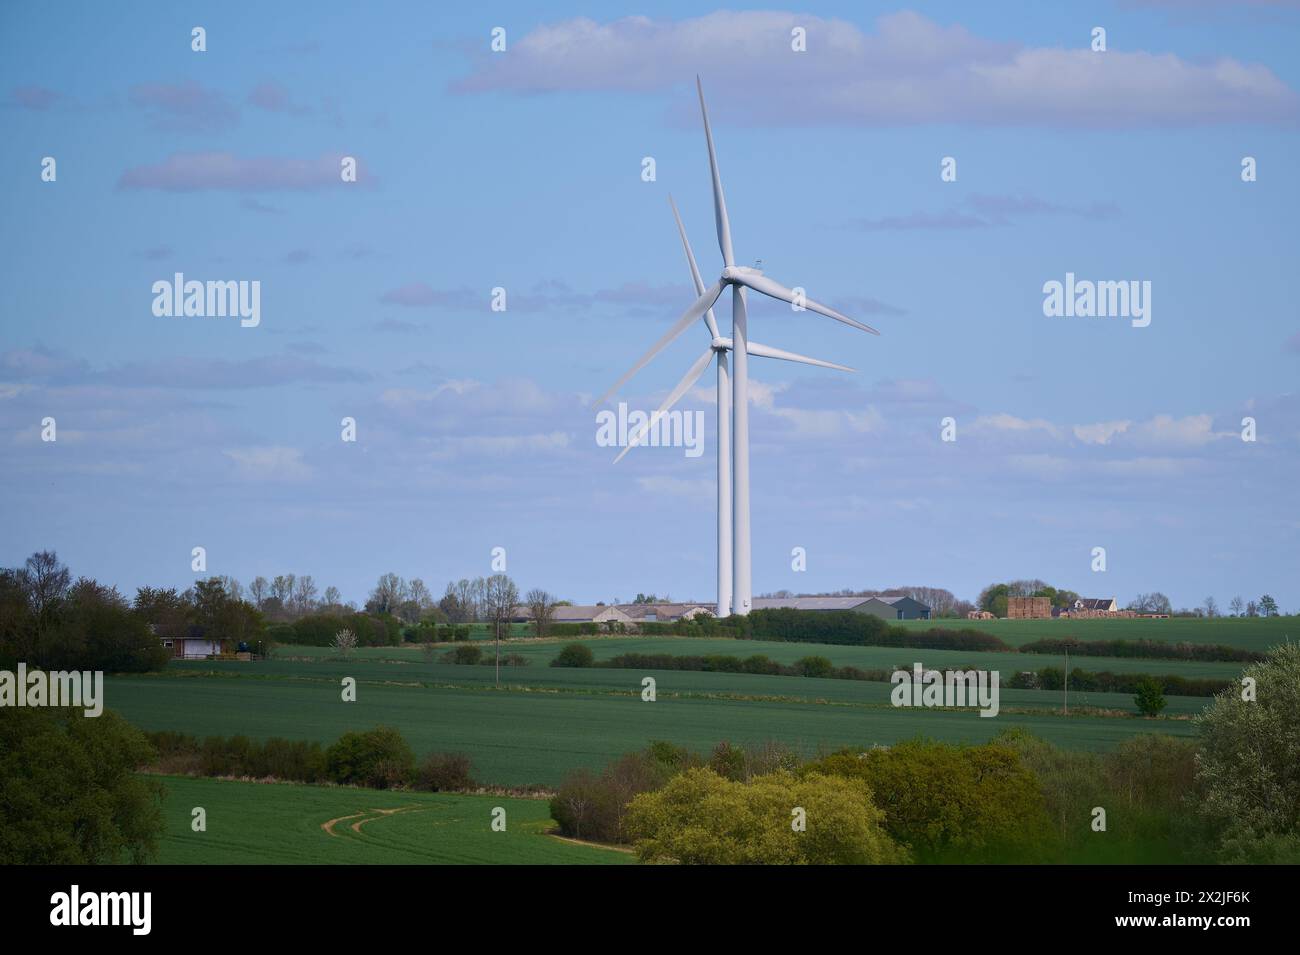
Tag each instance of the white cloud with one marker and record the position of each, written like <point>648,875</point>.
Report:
<point>269,463</point>
<point>678,487</point>
<point>1100,433</point>
<point>1007,423</point>
<point>910,70</point>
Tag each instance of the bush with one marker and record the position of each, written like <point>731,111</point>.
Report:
<point>700,818</point>
<point>379,758</point>
<point>69,793</point>
<point>1248,764</point>
<point>574,655</point>
<point>814,666</point>
<point>445,772</point>
<point>951,803</point>
<point>591,806</point>
<point>1152,649</point>
<point>1150,698</point>
<point>467,655</point>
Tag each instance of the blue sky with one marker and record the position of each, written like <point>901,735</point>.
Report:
<point>522,170</point>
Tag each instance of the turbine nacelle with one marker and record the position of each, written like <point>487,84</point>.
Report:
<point>736,274</point>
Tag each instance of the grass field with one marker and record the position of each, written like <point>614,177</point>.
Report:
<point>544,721</point>
<point>278,823</point>
<point>1247,633</point>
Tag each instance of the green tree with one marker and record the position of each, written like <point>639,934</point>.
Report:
<point>1248,764</point>
<point>69,793</point>
<point>1150,698</point>
<point>574,655</point>
<point>700,818</point>
<point>1268,606</point>
<point>379,758</point>
<point>949,802</point>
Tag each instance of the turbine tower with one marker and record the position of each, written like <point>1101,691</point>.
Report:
<point>718,346</point>
<point>739,278</point>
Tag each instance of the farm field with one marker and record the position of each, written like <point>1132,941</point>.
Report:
<point>279,823</point>
<point>1247,633</point>
<point>539,653</point>
<point>548,721</point>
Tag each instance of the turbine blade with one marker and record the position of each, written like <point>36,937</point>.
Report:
<point>709,320</point>
<point>761,283</point>
<point>767,351</point>
<point>719,203</point>
<point>690,315</point>
<point>683,386</point>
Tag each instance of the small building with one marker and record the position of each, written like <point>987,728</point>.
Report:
<point>194,645</point>
<point>1096,604</point>
<point>888,608</point>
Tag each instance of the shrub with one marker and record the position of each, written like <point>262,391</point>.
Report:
<point>445,772</point>
<point>951,803</point>
<point>728,761</point>
<point>467,655</point>
<point>69,793</point>
<point>1150,698</point>
<point>574,655</point>
<point>814,666</point>
<point>1248,763</point>
<point>590,806</point>
<point>379,758</point>
<point>700,818</point>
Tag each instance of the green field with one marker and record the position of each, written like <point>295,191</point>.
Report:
<point>1247,633</point>
<point>278,823</point>
<point>544,721</point>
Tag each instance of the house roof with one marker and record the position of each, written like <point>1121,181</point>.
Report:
<point>808,603</point>
<point>1094,603</point>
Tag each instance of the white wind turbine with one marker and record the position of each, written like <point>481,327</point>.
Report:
<point>717,346</point>
<point>739,278</point>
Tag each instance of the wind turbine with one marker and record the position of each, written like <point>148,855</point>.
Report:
<point>718,346</point>
<point>739,278</point>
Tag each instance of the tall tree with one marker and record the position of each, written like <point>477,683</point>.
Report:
<point>500,597</point>
<point>258,591</point>
<point>304,594</point>
<point>388,595</point>
<point>541,608</point>
<point>1236,606</point>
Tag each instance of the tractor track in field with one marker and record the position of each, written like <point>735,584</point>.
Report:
<point>365,816</point>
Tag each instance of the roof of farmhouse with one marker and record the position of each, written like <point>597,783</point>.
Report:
<point>817,603</point>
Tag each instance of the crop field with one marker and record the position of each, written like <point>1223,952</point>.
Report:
<point>1247,633</point>
<point>544,721</point>
<point>541,652</point>
<point>267,823</point>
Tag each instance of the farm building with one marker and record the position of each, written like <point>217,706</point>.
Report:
<point>889,608</point>
<point>618,613</point>
<point>194,647</point>
<point>1096,604</point>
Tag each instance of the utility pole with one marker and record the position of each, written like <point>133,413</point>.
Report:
<point>1067,682</point>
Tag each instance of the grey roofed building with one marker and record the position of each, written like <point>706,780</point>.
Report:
<point>808,603</point>
<point>622,613</point>
<point>889,608</point>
